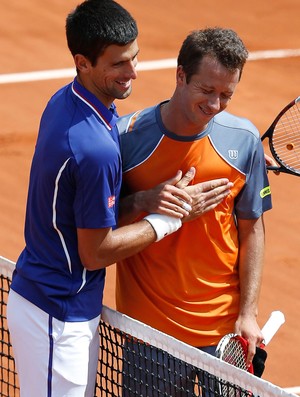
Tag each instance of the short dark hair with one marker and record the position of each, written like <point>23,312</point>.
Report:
<point>220,43</point>
<point>96,24</point>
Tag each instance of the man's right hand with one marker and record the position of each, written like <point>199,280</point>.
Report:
<point>170,197</point>
<point>167,198</point>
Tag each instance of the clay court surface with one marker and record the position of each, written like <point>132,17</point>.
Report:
<point>32,39</point>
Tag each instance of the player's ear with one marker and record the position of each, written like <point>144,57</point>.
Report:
<point>180,75</point>
<point>82,63</point>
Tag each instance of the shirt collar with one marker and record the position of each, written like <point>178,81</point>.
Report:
<point>108,116</point>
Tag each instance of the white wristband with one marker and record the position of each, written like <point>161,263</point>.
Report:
<point>163,225</point>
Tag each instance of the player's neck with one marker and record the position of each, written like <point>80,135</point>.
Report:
<point>175,120</point>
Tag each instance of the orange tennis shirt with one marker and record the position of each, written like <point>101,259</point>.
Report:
<point>187,285</point>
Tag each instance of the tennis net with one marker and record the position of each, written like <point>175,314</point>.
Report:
<point>137,360</point>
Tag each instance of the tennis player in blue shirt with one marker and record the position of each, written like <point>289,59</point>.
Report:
<point>55,299</point>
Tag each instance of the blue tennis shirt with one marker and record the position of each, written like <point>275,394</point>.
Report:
<point>74,183</point>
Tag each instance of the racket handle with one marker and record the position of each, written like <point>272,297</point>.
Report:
<point>273,324</point>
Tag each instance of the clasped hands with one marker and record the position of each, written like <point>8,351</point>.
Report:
<point>174,196</point>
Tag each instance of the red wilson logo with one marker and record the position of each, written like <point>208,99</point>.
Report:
<point>111,201</point>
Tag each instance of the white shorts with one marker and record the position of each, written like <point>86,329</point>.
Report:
<point>53,358</point>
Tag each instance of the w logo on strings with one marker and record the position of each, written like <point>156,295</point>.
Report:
<point>233,154</point>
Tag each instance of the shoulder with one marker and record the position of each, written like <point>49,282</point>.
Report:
<point>236,124</point>
<point>237,140</point>
<point>63,95</point>
<point>140,133</point>
<point>138,120</point>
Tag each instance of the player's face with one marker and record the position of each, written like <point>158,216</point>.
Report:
<point>111,78</point>
<point>207,93</point>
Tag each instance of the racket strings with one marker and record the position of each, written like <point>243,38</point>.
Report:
<point>233,353</point>
<point>286,138</point>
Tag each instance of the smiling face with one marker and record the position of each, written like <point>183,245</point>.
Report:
<point>111,77</point>
<point>207,93</point>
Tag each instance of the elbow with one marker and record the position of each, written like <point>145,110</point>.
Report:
<point>95,249</point>
<point>92,262</point>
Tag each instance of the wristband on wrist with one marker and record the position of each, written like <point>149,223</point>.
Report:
<point>163,225</point>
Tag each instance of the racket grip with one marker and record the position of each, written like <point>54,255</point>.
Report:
<point>273,324</point>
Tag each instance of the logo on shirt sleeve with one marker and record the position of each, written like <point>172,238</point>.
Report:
<point>266,191</point>
<point>111,201</point>
<point>233,154</point>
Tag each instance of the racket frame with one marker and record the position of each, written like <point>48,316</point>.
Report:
<point>228,340</point>
<point>269,134</point>
<point>274,322</point>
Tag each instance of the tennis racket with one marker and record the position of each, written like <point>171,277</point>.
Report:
<point>284,139</point>
<point>233,348</point>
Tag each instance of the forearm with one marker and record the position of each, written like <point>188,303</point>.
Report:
<point>130,208</point>
<point>252,242</point>
<point>124,242</point>
<point>99,248</point>
<point>251,257</point>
